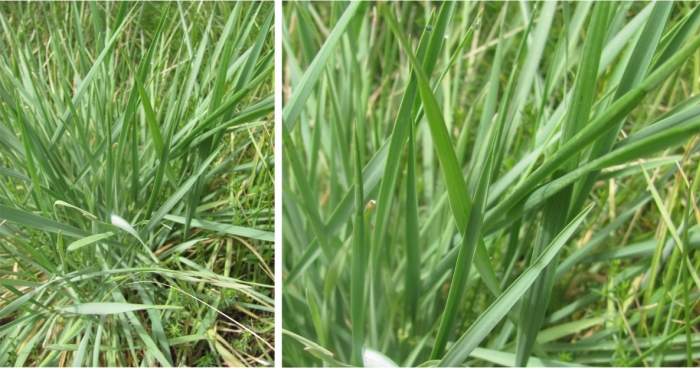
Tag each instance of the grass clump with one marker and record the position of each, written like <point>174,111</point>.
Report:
<point>491,183</point>
<point>136,184</point>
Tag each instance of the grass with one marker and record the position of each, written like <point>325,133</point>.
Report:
<point>136,184</point>
<point>491,183</point>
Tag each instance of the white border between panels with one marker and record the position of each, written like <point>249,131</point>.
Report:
<point>278,183</point>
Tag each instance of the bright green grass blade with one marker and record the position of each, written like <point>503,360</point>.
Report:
<point>244,78</point>
<point>76,80</point>
<point>315,349</point>
<point>682,246</point>
<point>401,127</point>
<point>565,329</point>
<point>19,301</point>
<point>98,339</point>
<point>153,125</point>
<point>12,282</point>
<point>313,308</point>
<point>82,348</point>
<point>144,67</point>
<point>520,62</point>
<point>248,68</point>
<point>508,359</point>
<point>635,362</point>
<point>308,197</point>
<point>675,37</point>
<point>180,248</point>
<point>157,330</point>
<point>123,306</point>
<point>453,176</point>
<point>185,339</point>
<point>227,47</point>
<point>29,346</point>
<point>28,149</point>
<point>527,73</point>
<point>372,174</point>
<point>467,249</point>
<point>636,149</point>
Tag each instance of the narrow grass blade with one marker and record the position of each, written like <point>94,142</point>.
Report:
<point>225,228</point>
<point>88,240</point>
<point>357,297</point>
<point>67,116</point>
<point>460,202</point>
<point>554,216</point>
<point>296,103</point>
<point>109,308</point>
<point>175,198</point>
<point>593,130</point>
<point>634,73</point>
<point>38,222</point>
<point>493,315</point>
<point>412,282</point>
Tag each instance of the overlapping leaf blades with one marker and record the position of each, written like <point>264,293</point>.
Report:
<point>111,115</point>
<point>478,129</point>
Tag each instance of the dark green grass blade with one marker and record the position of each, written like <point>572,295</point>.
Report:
<point>592,131</point>
<point>412,276</point>
<point>357,297</point>
<point>428,51</point>
<point>490,318</point>
<point>460,203</point>
<point>634,73</point>
<point>554,217</point>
